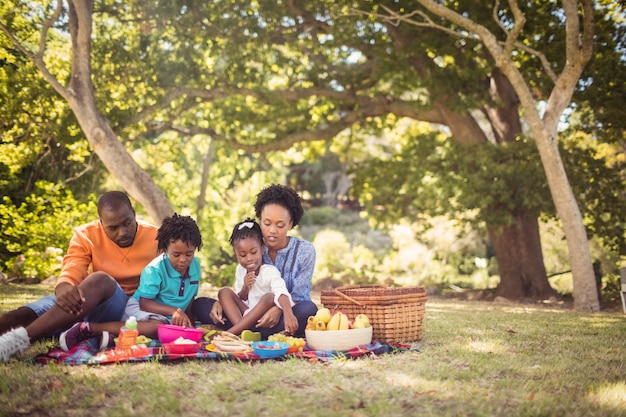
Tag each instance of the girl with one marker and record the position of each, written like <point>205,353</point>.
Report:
<point>279,209</point>
<point>258,287</point>
<point>167,287</point>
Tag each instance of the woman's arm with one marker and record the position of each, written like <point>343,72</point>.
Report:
<point>302,273</point>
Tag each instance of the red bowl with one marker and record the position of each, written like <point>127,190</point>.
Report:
<point>168,333</point>
<point>181,348</point>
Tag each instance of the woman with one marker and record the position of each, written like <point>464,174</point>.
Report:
<point>279,209</point>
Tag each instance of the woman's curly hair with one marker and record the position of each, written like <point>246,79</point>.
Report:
<point>283,196</point>
<point>178,227</point>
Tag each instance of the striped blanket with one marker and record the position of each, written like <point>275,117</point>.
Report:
<point>87,353</point>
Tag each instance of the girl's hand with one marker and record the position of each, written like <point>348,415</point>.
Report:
<point>179,318</point>
<point>270,318</point>
<point>217,314</point>
<point>249,279</point>
<point>291,323</point>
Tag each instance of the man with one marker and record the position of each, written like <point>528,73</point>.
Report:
<point>100,271</point>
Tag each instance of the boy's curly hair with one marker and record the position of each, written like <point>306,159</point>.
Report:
<point>245,229</point>
<point>178,227</point>
<point>283,196</point>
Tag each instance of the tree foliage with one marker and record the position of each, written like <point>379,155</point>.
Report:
<point>190,85</point>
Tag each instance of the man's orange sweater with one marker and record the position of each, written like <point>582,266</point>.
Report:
<point>91,250</point>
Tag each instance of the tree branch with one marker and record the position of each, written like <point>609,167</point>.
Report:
<point>519,20</point>
<point>396,18</point>
<point>37,58</point>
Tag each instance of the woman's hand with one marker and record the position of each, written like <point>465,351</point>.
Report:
<point>69,298</point>
<point>179,318</point>
<point>217,314</point>
<point>270,318</point>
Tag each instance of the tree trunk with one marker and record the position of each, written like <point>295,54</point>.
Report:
<point>80,96</point>
<point>518,245</point>
<point>520,260</point>
<point>578,18</point>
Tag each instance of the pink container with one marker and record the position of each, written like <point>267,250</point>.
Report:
<point>168,333</point>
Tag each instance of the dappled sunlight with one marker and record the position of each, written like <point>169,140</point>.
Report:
<point>611,396</point>
<point>404,380</point>
<point>599,321</point>
<point>485,346</point>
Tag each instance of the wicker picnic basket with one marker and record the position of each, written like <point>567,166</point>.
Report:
<point>396,314</point>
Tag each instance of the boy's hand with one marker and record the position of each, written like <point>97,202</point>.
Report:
<point>179,318</point>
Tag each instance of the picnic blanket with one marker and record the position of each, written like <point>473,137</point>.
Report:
<point>86,353</point>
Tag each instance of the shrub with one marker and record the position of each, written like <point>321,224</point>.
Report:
<point>33,231</point>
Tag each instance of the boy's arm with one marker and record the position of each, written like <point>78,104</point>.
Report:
<point>179,317</point>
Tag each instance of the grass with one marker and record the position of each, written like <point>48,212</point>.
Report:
<point>476,359</point>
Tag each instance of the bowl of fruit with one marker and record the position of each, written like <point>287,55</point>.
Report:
<point>296,344</point>
<point>266,349</point>
<point>337,332</point>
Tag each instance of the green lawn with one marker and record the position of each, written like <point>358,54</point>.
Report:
<point>476,359</point>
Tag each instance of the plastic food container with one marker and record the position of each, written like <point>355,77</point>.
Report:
<point>181,348</point>
<point>266,349</point>
<point>338,339</point>
<point>168,333</point>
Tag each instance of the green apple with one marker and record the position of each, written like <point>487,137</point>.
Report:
<point>323,315</point>
<point>363,318</point>
<point>359,324</point>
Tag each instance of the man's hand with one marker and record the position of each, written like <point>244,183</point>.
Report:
<point>69,298</point>
<point>270,318</point>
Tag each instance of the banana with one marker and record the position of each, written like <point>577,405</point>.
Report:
<point>311,322</point>
<point>344,324</point>
<point>334,322</point>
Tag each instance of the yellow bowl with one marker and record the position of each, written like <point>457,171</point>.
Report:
<point>338,339</point>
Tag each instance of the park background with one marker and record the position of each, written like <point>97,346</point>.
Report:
<point>414,152</point>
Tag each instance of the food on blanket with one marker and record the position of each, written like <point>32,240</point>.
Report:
<point>182,341</point>
<point>141,340</point>
<point>182,347</point>
<point>228,342</point>
<point>339,321</point>
<point>361,321</point>
<point>270,349</point>
<point>208,334</point>
<point>250,336</point>
<point>311,322</point>
<point>323,315</point>
<point>296,344</point>
<point>338,339</point>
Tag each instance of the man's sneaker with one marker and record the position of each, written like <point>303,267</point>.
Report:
<point>82,331</point>
<point>12,342</point>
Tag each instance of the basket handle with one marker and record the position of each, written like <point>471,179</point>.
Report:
<point>347,297</point>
